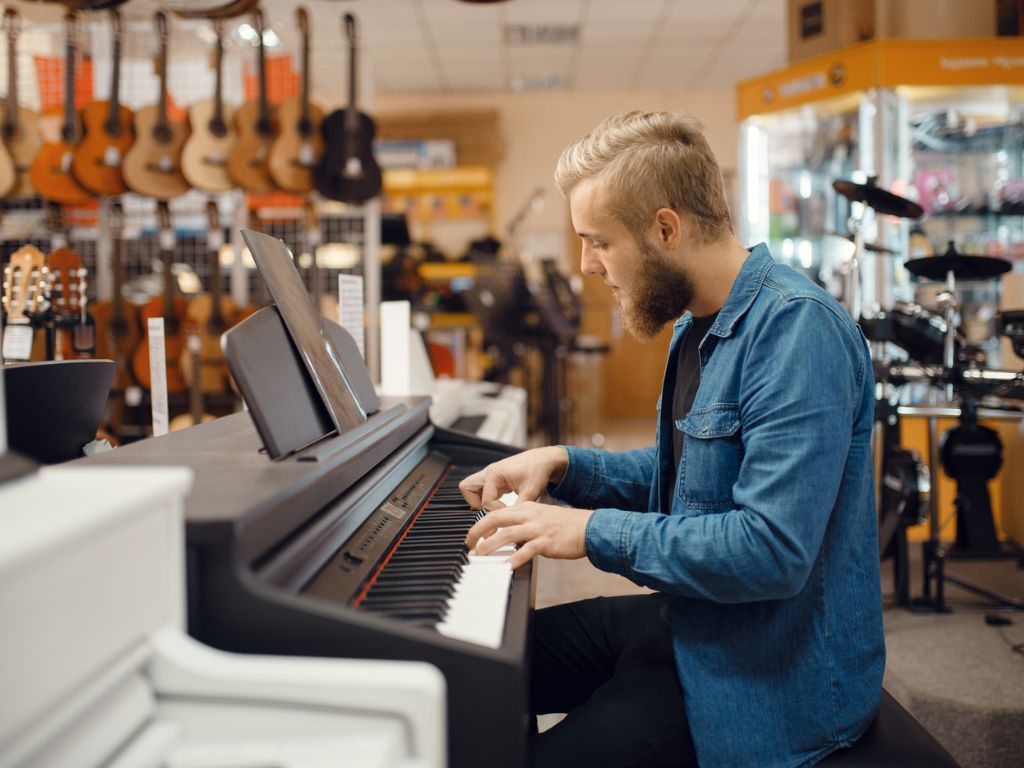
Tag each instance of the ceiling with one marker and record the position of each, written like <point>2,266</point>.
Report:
<point>426,46</point>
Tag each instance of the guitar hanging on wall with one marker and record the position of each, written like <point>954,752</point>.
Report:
<point>108,132</point>
<point>51,169</point>
<point>19,129</point>
<point>248,163</point>
<point>298,146</point>
<point>152,166</point>
<point>171,307</point>
<point>347,170</point>
<point>204,160</point>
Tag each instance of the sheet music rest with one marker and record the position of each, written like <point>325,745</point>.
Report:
<point>268,369</point>
<point>123,685</point>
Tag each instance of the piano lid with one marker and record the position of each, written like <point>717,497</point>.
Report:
<point>237,486</point>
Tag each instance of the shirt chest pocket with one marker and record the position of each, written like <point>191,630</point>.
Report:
<point>710,460</point>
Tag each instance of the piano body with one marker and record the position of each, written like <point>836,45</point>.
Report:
<point>281,553</point>
<point>96,668</point>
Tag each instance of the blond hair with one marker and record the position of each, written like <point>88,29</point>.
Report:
<point>647,161</point>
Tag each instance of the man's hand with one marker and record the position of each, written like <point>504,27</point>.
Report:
<point>527,474</point>
<point>538,529</point>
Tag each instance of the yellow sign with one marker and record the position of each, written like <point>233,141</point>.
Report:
<point>885,63</point>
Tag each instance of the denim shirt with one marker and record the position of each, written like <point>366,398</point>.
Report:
<point>769,551</point>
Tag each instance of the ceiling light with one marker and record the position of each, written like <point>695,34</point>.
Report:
<point>554,82</point>
<point>541,34</point>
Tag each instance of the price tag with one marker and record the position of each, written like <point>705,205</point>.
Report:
<point>215,239</point>
<point>17,342</point>
<point>158,376</point>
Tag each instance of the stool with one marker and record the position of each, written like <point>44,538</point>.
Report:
<point>894,740</point>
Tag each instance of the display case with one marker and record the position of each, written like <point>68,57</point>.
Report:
<point>940,123</point>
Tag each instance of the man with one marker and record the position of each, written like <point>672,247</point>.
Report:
<point>752,515</point>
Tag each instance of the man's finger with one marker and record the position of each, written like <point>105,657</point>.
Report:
<point>506,535</point>
<point>471,488</point>
<point>486,525</point>
<point>523,555</point>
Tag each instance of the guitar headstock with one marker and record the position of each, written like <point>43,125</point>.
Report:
<point>160,21</point>
<point>167,239</point>
<point>313,234</point>
<point>23,283</point>
<point>302,19</point>
<point>65,268</point>
<point>11,25</point>
<point>116,219</point>
<point>212,216</point>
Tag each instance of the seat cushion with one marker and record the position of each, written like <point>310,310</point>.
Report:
<point>894,740</point>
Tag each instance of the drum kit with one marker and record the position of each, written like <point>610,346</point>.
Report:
<point>939,355</point>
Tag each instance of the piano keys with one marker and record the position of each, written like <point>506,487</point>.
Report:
<point>355,548</point>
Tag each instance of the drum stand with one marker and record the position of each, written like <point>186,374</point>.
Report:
<point>971,455</point>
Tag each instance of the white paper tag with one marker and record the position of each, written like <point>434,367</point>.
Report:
<point>132,396</point>
<point>167,240</point>
<point>215,239</point>
<point>306,154</point>
<point>165,163</point>
<point>350,309</point>
<point>17,342</point>
<point>65,162</point>
<point>157,376</point>
<point>112,157</point>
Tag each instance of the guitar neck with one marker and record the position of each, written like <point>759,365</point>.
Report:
<point>170,318</point>
<point>351,122</point>
<point>68,132</point>
<point>263,125</point>
<point>114,114</point>
<point>218,91</point>
<point>162,120</point>
<point>10,121</point>
<point>216,289</point>
<point>117,300</point>
<point>304,122</point>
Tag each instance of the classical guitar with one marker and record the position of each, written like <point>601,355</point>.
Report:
<point>209,315</point>
<point>248,164</point>
<point>298,146</point>
<point>196,408</point>
<point>169,306</point>
<point>204,160</point>
<point>152,166</point>
<point>23,297</point>
<point>347,170</point>
<point>108,132</point>
<point>50,171</point>
<point>117,320</point>
<point>19,129</point>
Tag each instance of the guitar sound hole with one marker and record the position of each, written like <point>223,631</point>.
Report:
<point>264,128</point>
<point>113,128</point>
<point>11,131</point>
<point>162,133</point>
<point>305,128</point>
<point>218,128</point>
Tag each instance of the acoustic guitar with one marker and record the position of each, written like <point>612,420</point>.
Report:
<point>347,170</point>
<point>108,132</point>
<point>117,320</point>
<point>23,296</point>
<point>152,166</point>
<point>208,316</point>
<point>248,163</point>
<point>20,127</point>
<point>169,306</point>
<point>205,157</point>
<point>50,171</point>
<point>300,142</point>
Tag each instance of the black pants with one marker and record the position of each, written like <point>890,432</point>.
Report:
<point>607,663</point>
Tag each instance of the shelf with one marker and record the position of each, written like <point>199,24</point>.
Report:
<point>436,270</point>
<point>469,178</point>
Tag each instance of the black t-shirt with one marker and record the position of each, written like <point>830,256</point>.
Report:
<point>687,380</point>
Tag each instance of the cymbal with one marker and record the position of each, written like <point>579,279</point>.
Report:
<point>962,267</point>
<point>872,247</point>
<point>878,199</point>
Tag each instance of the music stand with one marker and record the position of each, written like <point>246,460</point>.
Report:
<point>55,407</point>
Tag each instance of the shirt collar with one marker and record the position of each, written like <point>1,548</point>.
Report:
<point>748,282</point>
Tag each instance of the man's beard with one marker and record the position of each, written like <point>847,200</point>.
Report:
<point>659,295</point>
